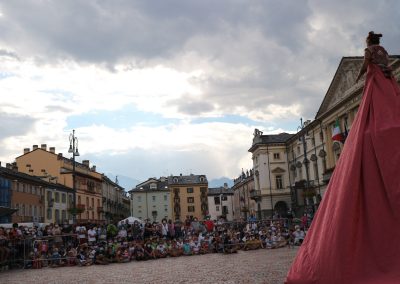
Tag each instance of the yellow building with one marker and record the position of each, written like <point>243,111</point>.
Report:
<point>189,196</point>
<point>88,183</point>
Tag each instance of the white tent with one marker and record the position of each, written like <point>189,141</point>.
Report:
<point>130,220</point>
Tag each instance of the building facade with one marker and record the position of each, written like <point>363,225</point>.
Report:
<point>88,183</point>
<point>189,196</point>
<point>243,189</point>
<point>271,174</point>
<point>220,203</point>
<point>116,204</point>
<point>308,158</point>
<point>151,200</point>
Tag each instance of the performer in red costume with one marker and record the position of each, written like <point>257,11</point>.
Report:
<point>355,235</point>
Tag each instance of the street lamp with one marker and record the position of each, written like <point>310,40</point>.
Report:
<point>270,186</point>
<point>306,161</point>
<point>73,148</point>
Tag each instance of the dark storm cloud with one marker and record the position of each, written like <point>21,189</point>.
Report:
<point>104,31</point>
<point>259,52</point>
<point>15,125</point>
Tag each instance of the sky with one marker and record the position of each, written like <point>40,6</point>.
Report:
<point>154,88</point>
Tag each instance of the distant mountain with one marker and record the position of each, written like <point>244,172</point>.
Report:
<point>124,181</point>
<point>220,182</point>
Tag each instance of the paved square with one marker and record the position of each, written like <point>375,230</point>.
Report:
<point>259,266</point>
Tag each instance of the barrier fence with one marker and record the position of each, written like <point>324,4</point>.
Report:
<point>38,252</point>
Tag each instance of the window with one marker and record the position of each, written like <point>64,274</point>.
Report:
<point>190,190</point>
<point>190,208</point>
<point>154,198</point>
<point>217,200</point>
<point>139,198</point>
<point>165,197</point>
<point>217,208</point>
<point>57,215</point>
<point>92,202</point>
<point>298,150</point>
<point>313,141</point>
<point>49,196</point>
<point>64,198</point>
<point>33,189</point>
<point>49,214</point>
<point>224,198</point>
<point>153,186</point>
<point>57,197</point>
<point>315,165</point>
<point>166,209</point>
<point>277,156</point>
<point>279,182</point>
<point>140,211</point>
<point>63,215</point>
<point>190,200</point>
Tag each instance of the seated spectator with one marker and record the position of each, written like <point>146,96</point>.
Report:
<point>187,250</point>
<point>83,257</point>
<point>100,257</point>
<point>161,251</point>
<point>139,253</point>
<point>175,249</point>
<point>148,251</point>
<point>298,235</point>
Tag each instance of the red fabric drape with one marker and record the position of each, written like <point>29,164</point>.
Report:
<point>355,235</point>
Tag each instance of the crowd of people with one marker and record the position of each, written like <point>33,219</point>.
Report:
<point>54,245</point>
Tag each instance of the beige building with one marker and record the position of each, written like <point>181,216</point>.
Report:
<point>244,204</point>
<point>271,174</point>
<point>116,203</point>
<point>88,183</point>
<point>189,196</point>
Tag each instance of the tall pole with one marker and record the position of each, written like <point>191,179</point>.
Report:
<point>73,148</point>
<point>305,161</point>
<point>270,185</point>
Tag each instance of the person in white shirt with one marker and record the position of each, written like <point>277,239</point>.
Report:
<point>92,233</point>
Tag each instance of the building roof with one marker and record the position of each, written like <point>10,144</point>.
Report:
<point>146,186</point>
<point>260,139</point>
<point>108,180</point>
<point>220,190</point>
<point>187,179</point>
<point>14,175</point>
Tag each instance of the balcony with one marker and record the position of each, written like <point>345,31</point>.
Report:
<point>81,206</point>
<point>255,194</point>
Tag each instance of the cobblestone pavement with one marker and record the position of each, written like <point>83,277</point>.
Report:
<point>260,266</point>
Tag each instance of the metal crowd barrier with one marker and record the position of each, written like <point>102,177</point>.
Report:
<point>22,252</point>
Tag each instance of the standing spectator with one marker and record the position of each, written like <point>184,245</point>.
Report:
<point>92,233</point>
<point>171,229</point>
<point>164,228</point>
<point>81,231</point>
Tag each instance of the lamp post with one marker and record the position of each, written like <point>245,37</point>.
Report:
<point>73,148</point>
<point>306,162</point>
<point>270,186</point>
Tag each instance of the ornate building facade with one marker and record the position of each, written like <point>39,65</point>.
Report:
<point>309,156</point>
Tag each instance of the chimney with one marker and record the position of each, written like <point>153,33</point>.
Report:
<point>59,156</point>
<point>85,163</point>
<point>14,167</point>
<point>26,150</point>
<point>9,166</point>
<point>93,169</point>
<point>43,147</point>
<point>52,150</point>
<point>34,147</point>
<point>225,185</point>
